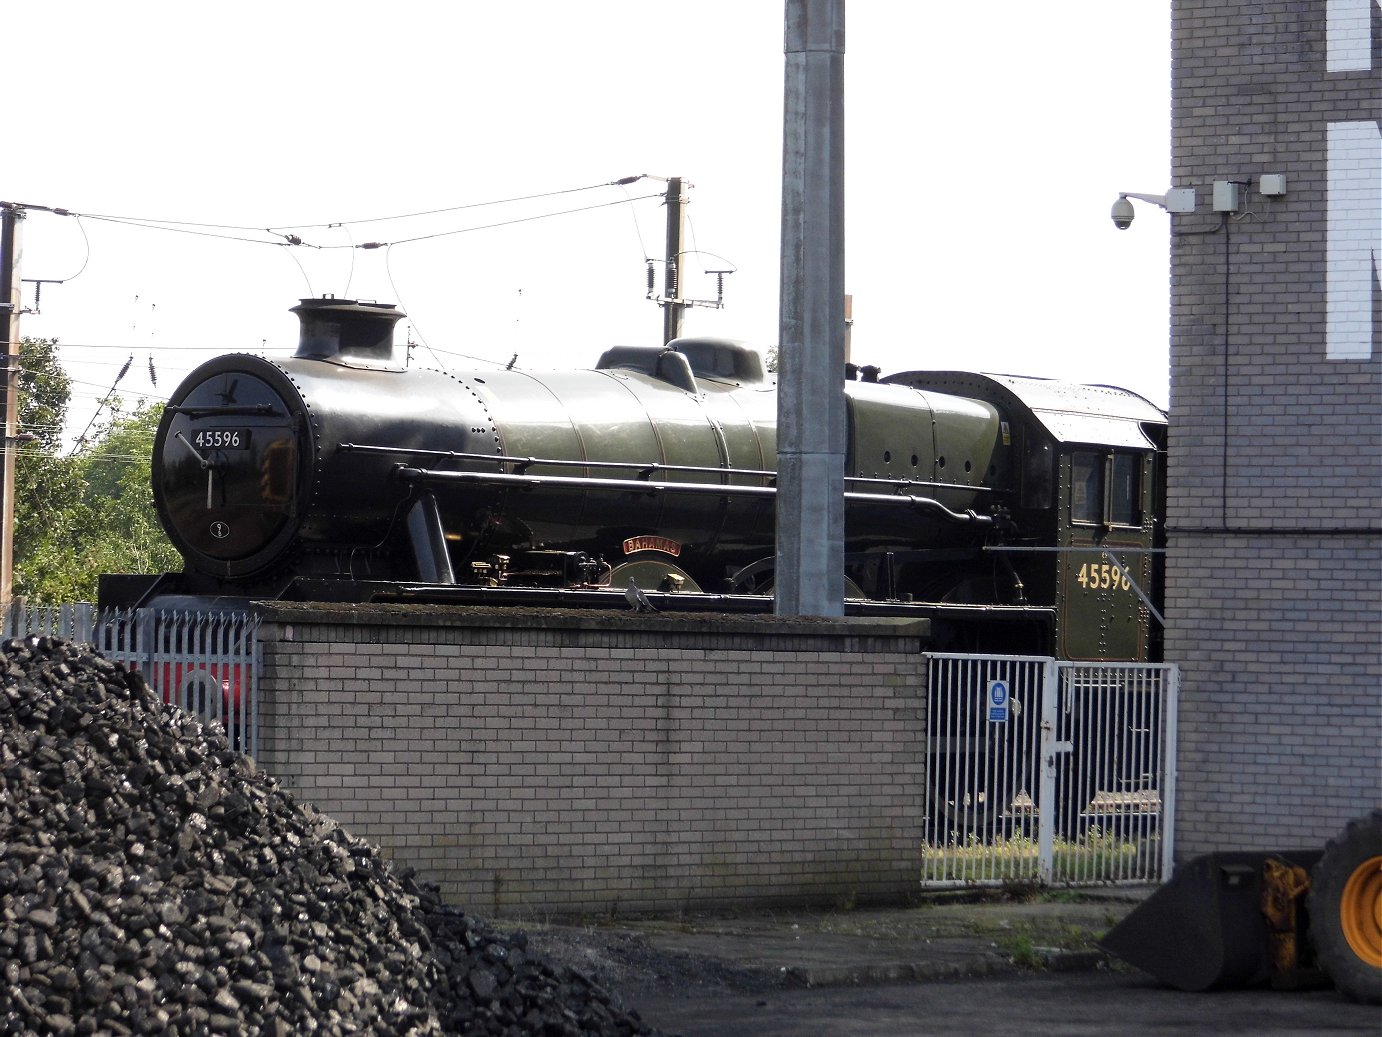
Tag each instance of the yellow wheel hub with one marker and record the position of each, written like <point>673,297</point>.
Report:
<point>1360,911</point>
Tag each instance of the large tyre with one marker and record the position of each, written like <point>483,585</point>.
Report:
<point>1345,909</point>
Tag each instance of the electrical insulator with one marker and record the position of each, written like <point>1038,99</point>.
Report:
<point>651,279</point>
<point>672,292</point>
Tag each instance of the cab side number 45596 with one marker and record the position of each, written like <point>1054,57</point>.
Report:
<point>1101,576</point>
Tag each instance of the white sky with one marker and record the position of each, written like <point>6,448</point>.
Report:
<point>985,143</point>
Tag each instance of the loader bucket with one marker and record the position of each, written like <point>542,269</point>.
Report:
<point>1205,928</point>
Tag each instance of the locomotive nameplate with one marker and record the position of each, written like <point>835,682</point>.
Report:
<point>222,438</point>
<point>652,543</point>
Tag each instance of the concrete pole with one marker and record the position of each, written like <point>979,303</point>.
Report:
<point>811,358</point>
<point>673,308</point>
<point>11,299</point>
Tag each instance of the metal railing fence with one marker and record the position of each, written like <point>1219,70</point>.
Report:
<point>203,662</point>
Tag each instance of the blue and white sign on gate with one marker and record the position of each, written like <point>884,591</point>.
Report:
<point>998,702</point>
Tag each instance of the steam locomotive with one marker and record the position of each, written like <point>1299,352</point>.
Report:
<point>1017,514</point>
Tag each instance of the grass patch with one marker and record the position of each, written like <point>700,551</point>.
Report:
<point>1096,856</point>
<point>1034,950</point>
<point>1022,952</point>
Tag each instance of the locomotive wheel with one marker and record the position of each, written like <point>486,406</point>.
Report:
<point>1345,908</point>
<point>759,578</point>
<point>653,573</point>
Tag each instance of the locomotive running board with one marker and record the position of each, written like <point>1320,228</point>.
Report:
<point>325,589</point>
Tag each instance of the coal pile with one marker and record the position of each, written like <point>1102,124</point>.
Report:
<point>152,882</point>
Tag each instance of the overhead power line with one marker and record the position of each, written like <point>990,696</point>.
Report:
<point>458,208</point>
<point>501,223</point>
<point>281,236</point>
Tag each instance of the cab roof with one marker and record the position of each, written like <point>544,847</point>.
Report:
<point>1101,415</point>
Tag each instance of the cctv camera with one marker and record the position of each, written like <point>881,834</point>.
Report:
<point>1122,213</point>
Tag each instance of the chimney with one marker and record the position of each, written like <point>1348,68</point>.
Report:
<point>347,331</point>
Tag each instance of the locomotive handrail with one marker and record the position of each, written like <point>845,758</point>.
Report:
<point>243,409</point>
<point>425,475</point>
<point>1020,549</point>
<point>195,453</point>
<point>929,503</point>
<point>645,468</point>
<point>902,484</point>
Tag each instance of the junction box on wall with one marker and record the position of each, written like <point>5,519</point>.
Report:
<point>1227,196</point>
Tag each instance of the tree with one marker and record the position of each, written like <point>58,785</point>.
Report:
<point>122,530</point>
<point>46,489</point>
<point>45,390</point>
<point>91,512</point>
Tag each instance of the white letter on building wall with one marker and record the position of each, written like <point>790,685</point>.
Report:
<point>1348,36</point>
<point>1354,264</point>
<point>1355,238</point>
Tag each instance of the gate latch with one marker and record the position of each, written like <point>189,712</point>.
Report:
<point>1055,747</point>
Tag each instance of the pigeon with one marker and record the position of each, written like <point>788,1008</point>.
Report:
<point>638,601</point>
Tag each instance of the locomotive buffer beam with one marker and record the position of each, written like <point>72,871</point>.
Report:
<point>424,477</point>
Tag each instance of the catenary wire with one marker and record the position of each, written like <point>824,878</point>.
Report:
<point>455,208</point>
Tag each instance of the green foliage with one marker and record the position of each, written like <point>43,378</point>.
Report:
<point>1022,952</point>
<point>44,392</point>
<point>1096,856</point>
<point>91,512</point>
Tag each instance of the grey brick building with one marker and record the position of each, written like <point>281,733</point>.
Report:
<point>1274,573</point>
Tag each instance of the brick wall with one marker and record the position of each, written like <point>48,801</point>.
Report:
<point>568,764</point>
<point>1274,584</point>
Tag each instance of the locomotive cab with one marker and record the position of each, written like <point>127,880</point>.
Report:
<point>1088,475</point>
<point>1106,578</point>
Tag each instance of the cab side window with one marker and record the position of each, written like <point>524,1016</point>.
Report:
<point>1124,486</point>
<point>1086,486</point>
<point>1106,488</point>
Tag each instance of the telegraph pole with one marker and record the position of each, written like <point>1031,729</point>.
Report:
<point>672,306</point>
<point>809,572</point>
<point>10,304</point>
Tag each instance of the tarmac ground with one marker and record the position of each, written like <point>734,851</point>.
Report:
<point>950,965</point>
<point>1096,1003</point>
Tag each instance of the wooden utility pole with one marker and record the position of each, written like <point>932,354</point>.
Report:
<point>810,574</point>
<point>672,305</point>
<point>10,304</point>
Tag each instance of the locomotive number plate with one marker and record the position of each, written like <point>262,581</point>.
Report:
<point>222,439</point>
